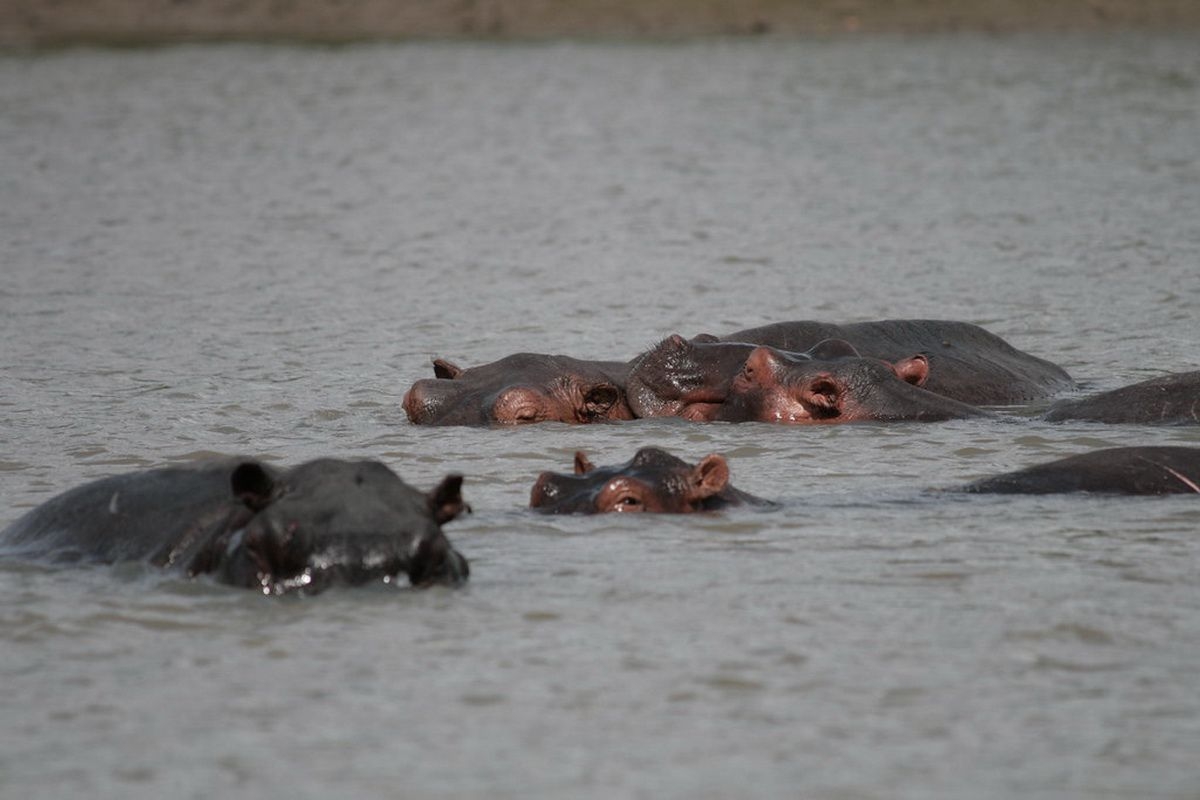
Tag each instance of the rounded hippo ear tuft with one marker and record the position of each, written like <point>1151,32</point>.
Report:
<point>582,464</point>
<point>252,484</point>
<point>445,501</point>
<point>914,370</point>
<point>445,370</point>
<point>709,477</point>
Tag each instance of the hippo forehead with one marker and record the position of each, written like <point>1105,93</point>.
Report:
<point>529,368</point>
<point>655,468</point>
<point>799,366</point>
<point>363,495</point>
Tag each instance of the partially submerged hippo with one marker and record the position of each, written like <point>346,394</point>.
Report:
<point>322,523</point>
<point>1170,399</point>
<point>690,378</point>
<point>521,388</point>
<point>967,363</point>
<point>652,481</point>
<point>775,386</point>
<point>1116,470</point>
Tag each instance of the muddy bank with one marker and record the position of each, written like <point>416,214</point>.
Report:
<point>37,22</point>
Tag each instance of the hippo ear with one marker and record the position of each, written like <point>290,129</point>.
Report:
<point>600,399</point>
<point>705,338</point>
<point>445,501</point>
<point>914,370</point>
<point>445,370</point>
<point>709,477</point>
<point>823,396</point>
<point>252,484</point>
<point>582,465</point>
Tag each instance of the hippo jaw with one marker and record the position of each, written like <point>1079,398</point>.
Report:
<point>282,561</point>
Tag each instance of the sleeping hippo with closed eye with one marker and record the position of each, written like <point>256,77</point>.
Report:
<point>652,481</point>
<point>519,389</point>
<point>323,523</point>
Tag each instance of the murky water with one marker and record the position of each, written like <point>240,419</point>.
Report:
<point>256,250</point>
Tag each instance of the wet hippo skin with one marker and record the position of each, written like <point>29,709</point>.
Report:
<point>1116,470</point>
<point>518,389</point>
<point>323,523</point>
<point>652,481</point>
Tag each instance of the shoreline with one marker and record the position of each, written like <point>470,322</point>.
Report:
<point>34,23</point>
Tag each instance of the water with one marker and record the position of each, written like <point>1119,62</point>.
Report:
<point>255,249</point>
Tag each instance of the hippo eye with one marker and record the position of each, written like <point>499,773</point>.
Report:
<point>628,503</point>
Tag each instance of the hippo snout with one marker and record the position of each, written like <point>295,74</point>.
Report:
<point>544,492</point>
<point>416,402</point>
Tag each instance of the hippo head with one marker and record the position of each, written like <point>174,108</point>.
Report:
<point>331,522</point>
<point>521,388</point>
<point>653,480</point>
<point>690,378</point>
<point>774,386</point>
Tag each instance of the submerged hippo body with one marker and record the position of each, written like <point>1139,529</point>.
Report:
<point>246,523</point>
<point>967,363</point>
<point>1116,470</point>
<point>776,386</point>
<point>652,481</point>
<point>521,388</point>
<point>1170,399</point>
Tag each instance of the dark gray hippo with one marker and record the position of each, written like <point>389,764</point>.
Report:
<point>652,481</point>
<point>323,523</point>
<point>776,386</point>
<point>1115,470</point>
<point>966,362</point>
<point>1171,399</point>
<point>519,389</point>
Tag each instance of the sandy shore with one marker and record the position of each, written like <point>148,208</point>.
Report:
<point>57,22</point>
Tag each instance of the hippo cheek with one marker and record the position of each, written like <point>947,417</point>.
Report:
<point>699,412</point>
<point>435,562</point>
<point>786,408</point>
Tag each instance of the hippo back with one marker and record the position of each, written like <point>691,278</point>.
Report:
<point>967,363</point>
<point>158,515</point>
<point>1114,470</point>
<point>1169,400</point>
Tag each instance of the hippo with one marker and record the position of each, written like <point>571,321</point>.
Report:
<point>967,363</point>
<point>305,528</point>
<point>776,386</point>
<point>521,388</point>
<point>690,378</point>
<point>1170,399</point>
<point>1114,470</point>
<point>652,481</point>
